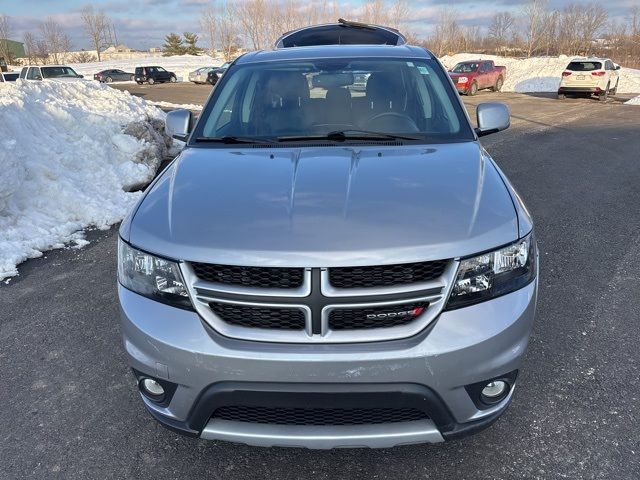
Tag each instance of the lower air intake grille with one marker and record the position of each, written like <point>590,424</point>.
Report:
<point>318,416</point>
<point>386,275</point>
<point>259,317</point>
<point>375,317</point>
<point>259,277</point>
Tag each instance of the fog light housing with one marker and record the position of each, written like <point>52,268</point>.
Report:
<point>152,389</point>
<point>494,390</point>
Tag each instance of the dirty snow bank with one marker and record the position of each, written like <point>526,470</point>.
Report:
<point>68,153</point>
<point>633,101</point>
<point>539,74</point>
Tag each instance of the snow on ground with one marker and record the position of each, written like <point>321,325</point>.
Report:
<point>69,151</point>
<point>181,65</point>
<point>188,106</point>
<point>633,101</point>
<point>539,74</point>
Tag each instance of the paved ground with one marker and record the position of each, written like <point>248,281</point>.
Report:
<point>70,409</point>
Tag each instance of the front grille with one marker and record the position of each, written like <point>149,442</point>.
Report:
<point>386,275</point>
<point>259,317</point>
<point>375,317</point>
<point>318,416</point>
<point>260,277</point>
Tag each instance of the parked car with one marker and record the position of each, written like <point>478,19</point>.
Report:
<point>589,76</point>
<point>49,72</point>
<point>153,75</point>
<point>333,270</point>
<point>114,75</point>
<point>199,76</point>
<point>471,76</point>
<point>9,76</point>
<point>216,73</point>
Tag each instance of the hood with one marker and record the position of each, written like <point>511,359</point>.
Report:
<point>326,206</point>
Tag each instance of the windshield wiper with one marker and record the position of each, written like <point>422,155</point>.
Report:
<point>229,139</point>
<point>351,134</point>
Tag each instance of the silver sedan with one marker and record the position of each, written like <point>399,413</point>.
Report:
<point>200,75</point>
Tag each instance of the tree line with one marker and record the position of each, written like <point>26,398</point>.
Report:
<point>230,26</point>
<point>577,29</point>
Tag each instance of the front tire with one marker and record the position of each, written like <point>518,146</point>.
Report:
<point>561,96</point>
<point>173,79</point>
<point>109,80</point>
<point>473,89</point>
<point>498,86</point>
<point>151,81</point>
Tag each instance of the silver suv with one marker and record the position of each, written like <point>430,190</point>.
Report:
<point>326,265</point>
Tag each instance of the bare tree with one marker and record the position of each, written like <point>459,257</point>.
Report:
<point>535,17</point>
<point>96,26</point>
<point>57,42</point>
<point>83,57</point>
<point>5,33</point>
<point>30,48</point>
<point>500,29</point>
<point>222,29</point>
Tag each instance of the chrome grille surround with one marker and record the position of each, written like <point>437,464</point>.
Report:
<point>317,299</point>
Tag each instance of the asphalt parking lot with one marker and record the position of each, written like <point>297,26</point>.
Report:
<point>70,408</point>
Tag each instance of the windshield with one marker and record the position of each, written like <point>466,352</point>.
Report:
<point>465,67</point>
<point>58,72</point>
<point>320,97</point>
<point>584,66</point>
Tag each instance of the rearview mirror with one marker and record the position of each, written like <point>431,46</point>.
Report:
<point>178,124</point>
<point>492,117</point>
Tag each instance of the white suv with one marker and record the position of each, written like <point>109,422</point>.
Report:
<point>589,76</point>
<point>46,72</point>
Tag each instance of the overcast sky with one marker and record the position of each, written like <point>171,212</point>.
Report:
<point>143,23</point>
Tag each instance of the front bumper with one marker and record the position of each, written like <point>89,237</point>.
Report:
<point>459,348</point>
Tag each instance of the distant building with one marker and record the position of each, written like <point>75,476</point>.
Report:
<point>16,49</point>
<point>119,49</point>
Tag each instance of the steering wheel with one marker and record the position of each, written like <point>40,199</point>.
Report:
<point>405,120</point>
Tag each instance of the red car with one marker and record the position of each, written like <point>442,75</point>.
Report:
<point>474,75</point>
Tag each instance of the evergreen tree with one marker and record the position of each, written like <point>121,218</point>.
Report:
<point>173,45</point>
<point>190,40</point>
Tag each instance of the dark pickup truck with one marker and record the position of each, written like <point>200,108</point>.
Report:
<point>474,75</point>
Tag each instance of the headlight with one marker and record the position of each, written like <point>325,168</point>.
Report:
<point>495,273</point>
<point>462,79</point>
<point>151,276</point>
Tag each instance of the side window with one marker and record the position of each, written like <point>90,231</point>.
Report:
<point>23,72</point>
<point>609,65</point>
<point>33,73</point>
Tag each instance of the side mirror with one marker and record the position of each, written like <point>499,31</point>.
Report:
<point>80,76</point>
<point>492,118</point>
<point>178,124</point>
<point>617,67</point>
<point>37,77</point>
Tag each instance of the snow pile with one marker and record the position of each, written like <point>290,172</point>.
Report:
<point>188,106</point>
<point>181,65</point>
<point>539,74</point>
<point>68,153</point>
<point>633,101</point>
